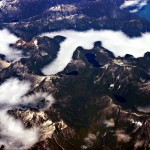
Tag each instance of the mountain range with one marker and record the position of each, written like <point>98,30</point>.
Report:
<point>90,97</point>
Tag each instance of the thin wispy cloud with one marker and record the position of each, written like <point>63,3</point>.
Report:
<point>39,100</point>
<point>115,41</point>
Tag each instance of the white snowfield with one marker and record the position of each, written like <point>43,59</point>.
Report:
<point>115,41</point>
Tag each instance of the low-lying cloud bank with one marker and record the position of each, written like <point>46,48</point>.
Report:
<point>134,5</point>
<point>7,38</point>
<point>115,41</point>
<point>13,134</point>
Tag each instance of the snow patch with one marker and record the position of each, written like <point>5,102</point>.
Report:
<point>36,43</point>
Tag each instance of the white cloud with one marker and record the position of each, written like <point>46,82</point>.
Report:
<point>13,134</point>
<point>12,90</point>
<point>115,41</point>
<point>7,38</point>
<point>130,3</point>
<point>134,5</point>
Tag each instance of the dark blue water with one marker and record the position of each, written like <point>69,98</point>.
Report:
<point>145,12</point>
<point>73,73</point>
<point>120,98</point>
<point>91,58</point>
